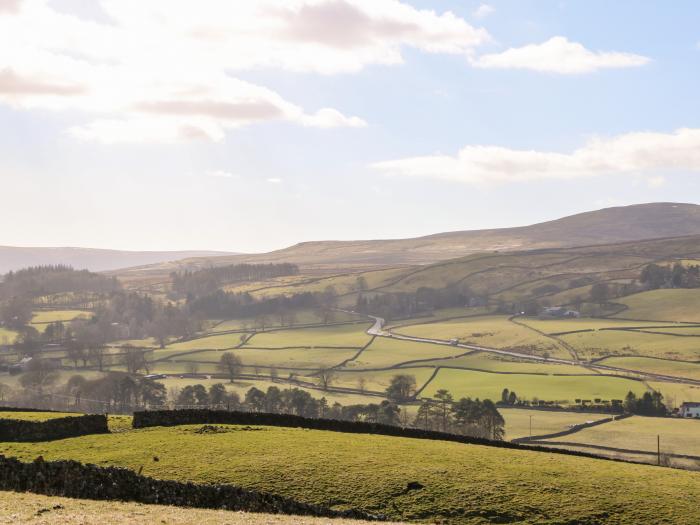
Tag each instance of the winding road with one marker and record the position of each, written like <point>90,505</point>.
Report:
<point>377,330</point>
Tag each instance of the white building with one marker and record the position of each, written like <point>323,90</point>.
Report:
<point>690,409</point>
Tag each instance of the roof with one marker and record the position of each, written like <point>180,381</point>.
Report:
<point>690,404</point>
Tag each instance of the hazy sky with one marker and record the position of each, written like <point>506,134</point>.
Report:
<point>251,125</point>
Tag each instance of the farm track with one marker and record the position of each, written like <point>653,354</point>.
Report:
<point>378,330</point>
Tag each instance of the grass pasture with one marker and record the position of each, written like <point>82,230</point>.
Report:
<point>494,363</point>
<point>462,484</point>
<point>36,416</point>
<point>490,331</point>
<point>543,421</point>
<point>295,358</point>
<point>344,336</point>
<point>485,385</point>
<point>385,352</point>
<point>212,342</point>
<point>55,316</point>
<point>302,317</point>
<point>616,342</point>
<point>675,393</point>
<point>678,305</point>
<point>655,366</point>
<point>378,381</point>
<point>678,436</point>
<point>7,336</point>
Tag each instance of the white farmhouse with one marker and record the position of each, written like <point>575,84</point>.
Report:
<point>690,409</point>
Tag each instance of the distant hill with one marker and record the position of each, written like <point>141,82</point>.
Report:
<point>14,258</point>
<point>606,226</point>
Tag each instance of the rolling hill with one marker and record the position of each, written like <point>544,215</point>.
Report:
<point>606,226</point>
<point>14,258</point>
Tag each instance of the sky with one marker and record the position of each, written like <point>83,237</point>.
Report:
<point>250,126</point>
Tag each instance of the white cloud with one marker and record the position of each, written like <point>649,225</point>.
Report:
<point>656,182</point>
<point>166,71</point>
<point>483,11</point>
<point>222,174</point>
<point>632,153</point>
<point>559,55</point>
<point>274,180</point>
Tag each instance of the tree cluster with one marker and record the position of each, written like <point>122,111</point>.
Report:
<point>650,404</point>
<point>38,281</point>
<point>206,281</point>
<point>409,304</point>
<point>223,305</point>
<point>466,416</point>
<point>655,276</point>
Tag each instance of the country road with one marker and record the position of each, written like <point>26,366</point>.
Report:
<point>377,329</point>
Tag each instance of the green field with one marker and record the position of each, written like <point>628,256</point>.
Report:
<point>7,336</point>
<point>675,394</point>
<point>289,358</point>
<point>348,336</point>
<point>553,326</point>
<point>485,385</point>
<point>611,342</point>
<point>543,421</point>
<point>496,363</point>
<point>33,509</point>
<point>301,317</point>
<point>489,331</point>
<point>663,305</point>
<point>53,316</point>
<point>656,366</point>
<point>462,483</point>
<point>36,416</point>
<point>385,352</point>
<point>678,436</point>
<point>379,381</point>
<point>212,342</point>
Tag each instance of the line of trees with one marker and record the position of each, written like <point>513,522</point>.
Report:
<point>206,281</point>
<point>38,281</point>
<point>423,300</point>
<point>655,276</point>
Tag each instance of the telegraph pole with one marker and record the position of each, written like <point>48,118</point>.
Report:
<point>658,449</point>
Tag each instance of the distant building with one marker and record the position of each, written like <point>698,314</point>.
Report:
<point>26,362</point>
<point>558,312</point>
<point>690,409</point>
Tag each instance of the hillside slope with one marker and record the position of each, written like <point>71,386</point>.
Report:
<point>610,225</point>
<point>96,260</point>
<point>454,483</point>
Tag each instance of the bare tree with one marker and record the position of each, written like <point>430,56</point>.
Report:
<point>325,377</point>
<point>230,364</point>
<point>134,359</point>
<point>97,356</point>
<point>361,384</point>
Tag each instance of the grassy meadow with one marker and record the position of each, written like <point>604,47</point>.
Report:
<point>565,389</point>
<point>346,336</point>
<point>518,421</point>
<point>677,435</point>
<point>34,509</point>
<point>490,331</point>
<point>462,484</point>
<point>679,305</point>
